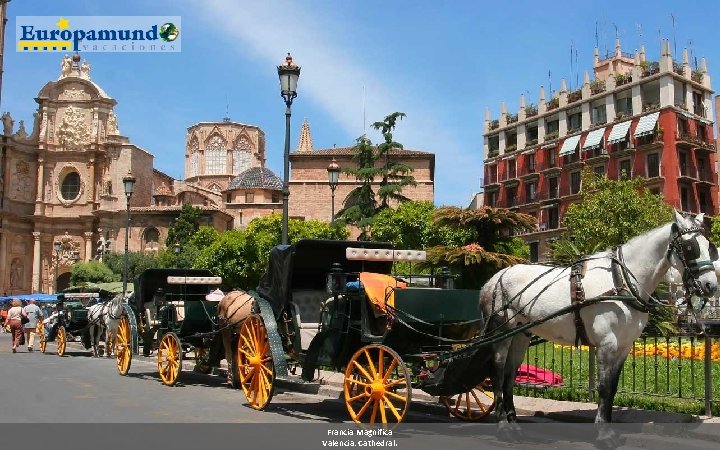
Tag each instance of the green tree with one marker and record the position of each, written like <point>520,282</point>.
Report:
<point>373,163</point>
<point>609,213</point>
<point>184,227</point>
<point>395,175</point>
<point>190,251</point>
<point>91,272</point>
<point>715,230</point>
<point>241,257</point>
<point>137,263</point>
<point>489,246</point>
<point>410,226</point>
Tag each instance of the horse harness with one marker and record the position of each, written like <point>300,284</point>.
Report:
<point>687,251</point>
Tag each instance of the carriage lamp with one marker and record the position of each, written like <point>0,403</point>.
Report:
<point>333,171</point>
<point>288,74</point>
<point>444,279</point>
<point>336,279</point>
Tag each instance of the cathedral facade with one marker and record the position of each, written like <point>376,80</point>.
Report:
<point>61,185</point>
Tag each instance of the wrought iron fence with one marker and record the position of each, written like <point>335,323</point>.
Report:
<point>684,366</point>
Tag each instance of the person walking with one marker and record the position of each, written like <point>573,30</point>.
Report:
<point>34,314</point>
<point>14,318</point>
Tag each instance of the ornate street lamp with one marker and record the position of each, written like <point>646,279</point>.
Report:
<point>288,74</point>
<point>333,177</point>
<point>129,184</point>
<point>57,246</point>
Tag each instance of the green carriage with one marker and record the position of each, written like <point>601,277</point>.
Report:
<point>71,321</point>
<point>315,310</point>
<point>168,313</point>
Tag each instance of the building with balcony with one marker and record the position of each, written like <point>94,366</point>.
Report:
<point>637,117</point>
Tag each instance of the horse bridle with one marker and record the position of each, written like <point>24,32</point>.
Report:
<point>688,252</point>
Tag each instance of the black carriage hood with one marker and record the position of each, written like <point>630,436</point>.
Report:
<point>150,280</point>
<point>305,265</point>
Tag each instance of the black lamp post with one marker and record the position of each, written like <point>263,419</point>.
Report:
<point>333,177</point>
<point>177,255</point>
<point>57,246</point>
<point>129,184</point>
<point>288,74</point>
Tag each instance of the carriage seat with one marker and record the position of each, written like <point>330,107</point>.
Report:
<point>308,304</point>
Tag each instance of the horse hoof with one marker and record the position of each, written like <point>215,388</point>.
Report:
<point>608,439</point>
<point>505,432</point>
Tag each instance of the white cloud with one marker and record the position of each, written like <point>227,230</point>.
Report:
<point>333,75</point>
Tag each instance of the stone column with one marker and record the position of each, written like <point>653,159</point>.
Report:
<point>40,186</point>
<point>3,261</point>
<point>36,262</point>
<point>88,245</point>
<point>91,181</point>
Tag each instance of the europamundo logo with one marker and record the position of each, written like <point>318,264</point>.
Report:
<point>98,34</point>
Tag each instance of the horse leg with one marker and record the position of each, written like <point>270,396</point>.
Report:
<point>610,364</point>
<point>501,350</point>
<point>516,354</point>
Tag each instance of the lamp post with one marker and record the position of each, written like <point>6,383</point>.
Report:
<point>333,177</point>
<point>288,74</point>
<point>129,184</point>
<point>177,255</point>
<point>57,246</point>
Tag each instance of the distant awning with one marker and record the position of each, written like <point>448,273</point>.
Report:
<point>593,139</point>
<point>619,132</point>
<point>646,125</point>
<point>569,146</point>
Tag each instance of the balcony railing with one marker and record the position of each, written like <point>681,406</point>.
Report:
<point>551,135</point>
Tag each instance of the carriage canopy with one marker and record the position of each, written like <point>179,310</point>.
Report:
<point>148,282</point>
<point>306,263</point>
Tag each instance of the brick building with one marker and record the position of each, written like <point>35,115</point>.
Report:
<point>62,183</point>
<point>636,117</point>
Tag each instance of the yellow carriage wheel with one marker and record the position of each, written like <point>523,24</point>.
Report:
<point>41,333</point>
<point>123,346</point>
<point>201,360</point>
<point>169,359</point>
<point>377,386</point>
<point>61,340</point>
<point>255,368</point>
<point>473,405</point>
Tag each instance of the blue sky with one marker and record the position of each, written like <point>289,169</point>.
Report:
<point>441,63</point>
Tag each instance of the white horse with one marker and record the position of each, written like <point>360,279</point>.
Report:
<point>526,295</point>
<point>105,317</point>
<point>112,315</point>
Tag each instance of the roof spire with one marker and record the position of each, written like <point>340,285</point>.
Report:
<point>305,142</point>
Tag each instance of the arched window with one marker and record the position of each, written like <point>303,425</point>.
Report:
<point>194,169</point>
<point>70,188</point>
<point>151,239</point>
<point>242,156</point>
<point>215,156</point>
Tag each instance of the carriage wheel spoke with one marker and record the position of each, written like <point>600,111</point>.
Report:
<point>383,417</point>
<point>374,412</point>
<point>397,396</point>
<point>394,383</point>
<point>363,371</point>
<point>358,397</point>
<point>393,409</point>
<point>392,367</point>
<point>370,364</point>
<point>479,403</point>
<point>356,381</point>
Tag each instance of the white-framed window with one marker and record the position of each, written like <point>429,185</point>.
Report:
<point>215,156</point>
<point>242,156</point>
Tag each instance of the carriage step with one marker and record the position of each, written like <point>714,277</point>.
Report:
<point>298,384</point>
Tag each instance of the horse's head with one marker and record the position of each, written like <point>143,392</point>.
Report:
<point>692,254</point>
<point>115,307</point>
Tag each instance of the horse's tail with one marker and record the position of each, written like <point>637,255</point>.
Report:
<point>234,308</point>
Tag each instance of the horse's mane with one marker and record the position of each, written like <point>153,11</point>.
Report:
<point>636,239</point>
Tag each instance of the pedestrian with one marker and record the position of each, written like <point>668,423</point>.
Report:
<point>3,317</point>
<point>14,318</point>
<point>34,314</point>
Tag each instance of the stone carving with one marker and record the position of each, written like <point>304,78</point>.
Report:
<point>85,70</point>
<point>19,246</point>
<point>21,183</point>
<point>43,124</point>
<point>69,250</point>
<point>73,133</point>
<point>36,125</point>
<point>16,273</point>
<point>113,152</point>
<point>65,66</point>
<point>8,123</point>
<point>21,133</point>
<point>112,125</point>
<point>72,94</point>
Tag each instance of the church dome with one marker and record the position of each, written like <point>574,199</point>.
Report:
<point>257,177</point>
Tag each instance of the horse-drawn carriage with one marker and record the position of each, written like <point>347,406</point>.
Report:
<point>168,310</point>
<point>335,305</point>
<point>69,320</point>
